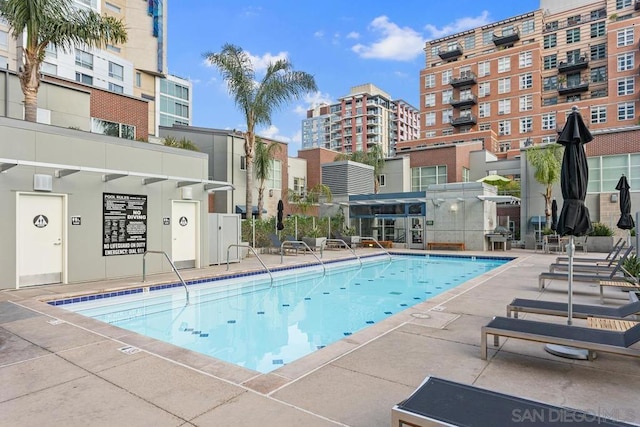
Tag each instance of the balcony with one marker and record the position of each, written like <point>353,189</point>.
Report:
<point>636,6</point>
<point>569,88</point>
<point>507,36</point>
<point>463,101</point>
<point>464,120</point>
<point>577,64</point>
<point>465,79</point>
<point>450,52</point>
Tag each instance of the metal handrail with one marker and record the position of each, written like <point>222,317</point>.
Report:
<point>144,269</point>
<point>324,243</point>
<point>254,252</point>
<point>377,243</point>
<point>306,246</point>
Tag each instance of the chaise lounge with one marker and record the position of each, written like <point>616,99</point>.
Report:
<point>580,311</point>
<point>611,256</point>
<point>591,339</point>
<point>604,267</point>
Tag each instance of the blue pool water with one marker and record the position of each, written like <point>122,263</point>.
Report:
<point>262,326</point>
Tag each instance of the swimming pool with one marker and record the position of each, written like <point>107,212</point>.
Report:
<point>260,325</point>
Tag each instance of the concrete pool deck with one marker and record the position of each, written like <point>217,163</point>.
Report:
<point>58,368</point>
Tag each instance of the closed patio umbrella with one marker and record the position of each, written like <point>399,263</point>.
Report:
<point>574,176</point>
<point>554,215</point>
<point>626,220</point>
<point>280,224</point>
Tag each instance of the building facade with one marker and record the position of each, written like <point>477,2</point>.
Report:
<point>367,116</point>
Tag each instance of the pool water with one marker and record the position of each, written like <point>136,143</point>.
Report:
<point>261,325</point>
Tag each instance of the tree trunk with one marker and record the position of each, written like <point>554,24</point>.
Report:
<point>260,200</point>
<point>249,144</point>
<point>30,83</point>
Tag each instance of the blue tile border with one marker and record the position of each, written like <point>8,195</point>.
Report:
<point>152,288</point>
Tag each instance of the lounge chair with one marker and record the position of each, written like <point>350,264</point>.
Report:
<point>611,256</point>
<point>596,277</point>
<point>591,268</point>
<point>440,402</point>
<point>580,311</point>
<point>591,339</point>
<point>277,244</point>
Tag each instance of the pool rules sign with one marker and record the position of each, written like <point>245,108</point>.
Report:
<point>125,224</point>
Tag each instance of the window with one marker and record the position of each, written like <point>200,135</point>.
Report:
<point>138,79</point>
<point>484,89</point>
<point>551,26</point>
<point>574,98</point>
<point>625,37</point>
<point>550,101</point>
<point>625,61</point>
<point>446,132</point>
<point>115,88</point>
<point>528,26</point>
<point>4,62</point>
<point>626,111</point>
<point>573,20</point>
<point>550,41</point>
<point>598,51</point>
<point>424,176</point>
<point>243,163</point>
<point>435,50</point>
<point>84,59</point>
<point>621,4</point>
<point>484,126</point>
<point>116,71</point>
<point>84,78</point>
<point>45,68</point>
<point>430,100</point>
<point>573,56</point>
<point>119,130</point>
<point>504,146</point>
<point>484,68</point>
<point>446,77</point>
<point>598,74</point>
<point>526,81</point>
<point>550,62</point>
<point>597,29</point>
<point>526,124</point>
<point>429,80</point>
<point>504,106</point>
<point>504,64</point>
<point>526,103</point>
<point>430,119</point>
<point>625,86</point>
<point>550,83</point>
<point>275,175</point>
<point>484,109</point>
<point>470,42</point>
<point>447,95</point>
<point>112,7</point>
<point>548,121</point>
<point>430,134</point>
<point>487,37</point>
<point>504,127</point>
<point>573,35</point>
<point>298,185</point>
<point>598,14</point>
<point>466,174</point>
<point>599,114</point>
<point>113,48</point>
<point>4,40</point>
<point>447,115</point>
<point>504,85</point>
<point>525,59</point>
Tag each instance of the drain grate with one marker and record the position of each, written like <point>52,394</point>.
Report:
<point>129,349</point>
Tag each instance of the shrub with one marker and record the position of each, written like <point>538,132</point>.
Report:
<point>600,229</point>
<point>632,265</point>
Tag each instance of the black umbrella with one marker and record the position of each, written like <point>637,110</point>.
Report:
<point>626,220</point>
<point>574,176</point>
<point>280,225</point>
<point>554,215</point>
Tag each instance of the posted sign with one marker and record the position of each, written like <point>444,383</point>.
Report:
<point>125,224</point>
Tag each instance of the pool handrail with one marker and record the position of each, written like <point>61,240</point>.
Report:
<point>377,243</point>
<point>254,252</point>
<point>324,243</point>
<point>144,269</point>
<point>297,242</point>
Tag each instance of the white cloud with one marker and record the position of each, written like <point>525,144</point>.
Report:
<point>272,132</point>
<point>311,100</point>
<point>458,25</point>
<point>260,63</point>
<point>353,35</point>
<point>318,34</point>
<point>396,43</point>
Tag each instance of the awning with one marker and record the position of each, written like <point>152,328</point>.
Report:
<point>242,209</point>
<point>510,200</point>
<point>540,219</point>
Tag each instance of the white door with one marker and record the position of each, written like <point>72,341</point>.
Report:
<point>184,234</point>
<point>40,225</point>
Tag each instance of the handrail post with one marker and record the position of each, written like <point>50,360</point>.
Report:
<point>144,268</point>
<point>291,242</point>
<point>377,243</point>
<point>345,245</point>
<point>252,251</point>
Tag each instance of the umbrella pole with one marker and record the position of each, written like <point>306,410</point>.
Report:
<point>570,250</point>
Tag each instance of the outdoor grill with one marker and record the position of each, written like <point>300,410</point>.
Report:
<point>498,235</point>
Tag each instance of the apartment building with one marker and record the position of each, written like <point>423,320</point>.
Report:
<point>511,84</point>
<point>137,69</point>
<point>367,116</point>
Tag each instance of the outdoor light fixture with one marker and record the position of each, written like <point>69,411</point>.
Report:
<point>271,192</point>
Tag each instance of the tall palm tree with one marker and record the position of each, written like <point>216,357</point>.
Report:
<point>374,157</point>
<point>263,161</point>
<point>258,100</point>
<point>59,24</point>
<point>547,161</point>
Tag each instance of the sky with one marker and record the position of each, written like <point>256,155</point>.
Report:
<point>341,43</point>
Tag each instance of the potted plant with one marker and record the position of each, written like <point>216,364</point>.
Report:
<point>314,238</point>
<point>600,239</point>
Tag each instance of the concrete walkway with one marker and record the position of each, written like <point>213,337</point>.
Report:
<point>58,368</point>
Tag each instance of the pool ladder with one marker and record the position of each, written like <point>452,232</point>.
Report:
<point>254,252</point>
<point>295,244</point>
<point>144,269</point>
<point>377,243</point>
<point>343,243</point>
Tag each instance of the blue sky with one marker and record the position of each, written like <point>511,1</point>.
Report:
<point>341,43</point>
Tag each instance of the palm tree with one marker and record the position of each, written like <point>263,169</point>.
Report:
<point>311,197</point>
<point>59,24</point>
<point>258,100</point>
<point>184,143</point>
<point>373,157</point>
<point>263,161</point>
<point>547,161</point>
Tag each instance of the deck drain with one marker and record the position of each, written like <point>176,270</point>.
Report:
<point>55,321</point>
<point>421,315</point>
<point>129,349</point>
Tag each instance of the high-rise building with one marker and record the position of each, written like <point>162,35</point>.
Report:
<point>511,83</point>
<point>137,68</point>
<point>367,116</point>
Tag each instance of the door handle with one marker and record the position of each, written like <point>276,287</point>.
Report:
<point>58,243</point>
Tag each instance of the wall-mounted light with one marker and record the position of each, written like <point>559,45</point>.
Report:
<point>271,192</point>
<point>614,197</point>
<point>453,207</point>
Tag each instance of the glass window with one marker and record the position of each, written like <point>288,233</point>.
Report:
<point>484,109</point>
<point>484,68</point>
<point>598,74</point>
<point>550,62</point>
<point>447,115</point>
<point>626,111</point>
<point>115,88</point>
<point>625,61</point>
<point>598,51</point>
<point>84,78</point>
<point>446,77</point>
<point>526,81</point>
<point>116,71</point>
<point>548,121</point>
<point>422,177</point>
<point>4,40</point>
<point>526,102</point>
<point>430,100</point>
<point>429,80</point>
<point>504,146</point>
<point>598,29</point>
<point>504,64</point>
<point>119,130</point>
<point>487,37</point>
<point>504,85</point>
<point>504,127</point>
<point>598,114</point>
<point>525,59</point>
<point>430,119</point>
<point>625,37</point>
<point>4,62</point>
<point>84,59</point>
<point>550,41</point>
<point>275,175</point>
<point>550,101</point>
<point>621,4</point>
<point>138,79</point>
<point>528,26</point>
<point>504,106</point>
<point>484,89</point>
<point>526,124</point>
<point>550,83</point>
<point>45,68</point>
<point>470,42</point>
<point>625,86</point>
<point>573,35</point>
<point>243,164</point>
<point>447,95</point>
